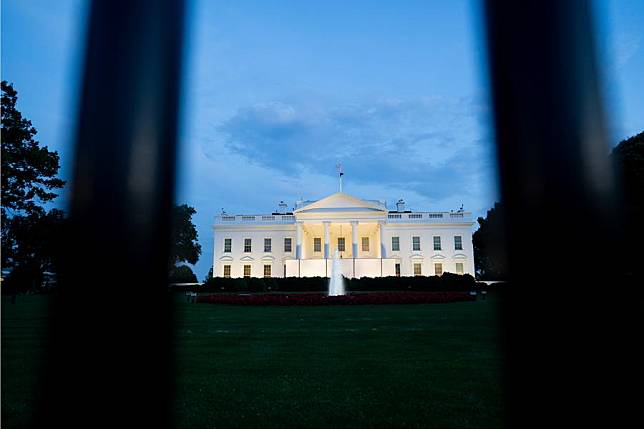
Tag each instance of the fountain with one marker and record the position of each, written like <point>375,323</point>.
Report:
<point>336,282</point>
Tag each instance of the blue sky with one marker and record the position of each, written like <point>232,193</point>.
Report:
<point>277,92</point>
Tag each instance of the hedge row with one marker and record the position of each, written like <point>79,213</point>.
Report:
<point>321,298</point>
<point>446,282</point>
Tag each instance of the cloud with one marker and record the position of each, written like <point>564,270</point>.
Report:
<point>435,147</point>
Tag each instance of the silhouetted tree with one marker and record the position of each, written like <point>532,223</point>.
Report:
<point>628,157</point>
<point>28,170</point>
<point>30,234</point>
<point>182,274</point>
<point>489,245</point>
<point>185,247</point>
<point>208,276</point>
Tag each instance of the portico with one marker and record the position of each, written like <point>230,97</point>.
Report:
<point>353,227</point>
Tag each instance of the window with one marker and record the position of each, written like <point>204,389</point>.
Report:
<point>340,244</point>
<point>365,244</point>
<point>228,245</point>
<point>246,270</point>
<point>267,270</point>
<point>317,244</point>
<point>437,243</point>
<point>458,242</point>
<point>397,270</point>
<point>247,245</point>
<point>438,269</point>
<point>415,243</point>
<point>395,244</point>
<point>267,245</point>
<point>417,270</point>
<point>288,245</point>
<point>459,268</point>
<point>227,271</point>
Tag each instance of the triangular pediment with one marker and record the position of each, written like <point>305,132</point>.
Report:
<point>341,202</point>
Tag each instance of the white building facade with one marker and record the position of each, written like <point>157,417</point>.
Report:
<point>371,241</point>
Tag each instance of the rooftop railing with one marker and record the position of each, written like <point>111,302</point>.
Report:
<point>418,217</point>
<point>430,217</point>
<point>247,219</point>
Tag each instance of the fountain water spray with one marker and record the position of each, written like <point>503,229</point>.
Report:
<point>336,282</point>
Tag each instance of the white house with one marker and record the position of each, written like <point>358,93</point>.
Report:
<point>371,241</point>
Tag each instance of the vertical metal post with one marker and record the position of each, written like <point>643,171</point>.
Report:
<point>110,360</point>
<point>570,331</point>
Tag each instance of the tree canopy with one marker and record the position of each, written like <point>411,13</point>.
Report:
<point>489,245</point>
<point>628,157</point>
<point>185,247</point>
<point>29,171</point>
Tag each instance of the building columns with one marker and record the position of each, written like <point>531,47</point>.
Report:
<point>354,239</point>
<point>298,241</point>
<point>326,225</point>
<point>383,248</point>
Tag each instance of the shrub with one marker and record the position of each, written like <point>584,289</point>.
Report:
<point>446,282</point>
<point>308,299</point>
<point>182,274</point>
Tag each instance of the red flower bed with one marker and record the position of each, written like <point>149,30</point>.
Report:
<point>322,299</point>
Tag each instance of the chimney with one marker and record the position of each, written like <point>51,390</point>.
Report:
<point>282,207</point>
<point>400,205</point>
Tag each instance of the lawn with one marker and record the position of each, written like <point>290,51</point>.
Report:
<point>425,365</point>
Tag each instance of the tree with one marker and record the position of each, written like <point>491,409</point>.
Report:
<point>628,158</point>
<point>182,274</point>
<point>489,245</point>
<point>31,245</point>
<point>185,247</point>
<point>28,170</point>
<point>208,276</point>
<point>29,233</point>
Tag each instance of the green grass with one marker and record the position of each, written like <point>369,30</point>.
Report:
<point>435,365</point>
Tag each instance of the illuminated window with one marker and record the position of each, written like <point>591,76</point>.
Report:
<point>228,245</point>
<point>267,270</point>
<point>317,244</point>
<point>417,270</point>
<point>459,268</point>
<point>395,244</point>
<point>438,269</point>
<point>415,242</point>
<point>365,244</point>
<point>227,271</point>
<point>288,245</point>
<point>458,242</point>
<point>340,244</point>
<point>247,245</point>
<point>437,243</point>
<point>246,270</point>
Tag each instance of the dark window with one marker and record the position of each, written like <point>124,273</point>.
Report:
<point>415,242</point>
<point>395,244</point>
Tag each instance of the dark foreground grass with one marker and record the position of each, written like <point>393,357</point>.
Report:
<point>426,365</point>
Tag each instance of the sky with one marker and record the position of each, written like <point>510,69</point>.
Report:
<point>276,93</point>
